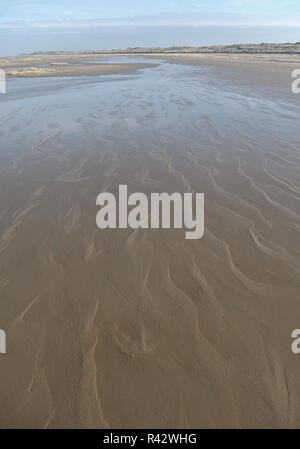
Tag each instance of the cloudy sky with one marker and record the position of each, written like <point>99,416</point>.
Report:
<point>32,25</point>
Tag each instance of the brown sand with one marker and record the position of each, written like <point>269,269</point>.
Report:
<point>146,329</point>
<point>70,64</point>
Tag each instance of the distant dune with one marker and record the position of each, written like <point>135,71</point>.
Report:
<point>287,48</point>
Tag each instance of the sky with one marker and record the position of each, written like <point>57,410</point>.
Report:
<point>33,25</point>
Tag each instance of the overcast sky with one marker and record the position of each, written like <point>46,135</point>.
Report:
<point>32,25</point>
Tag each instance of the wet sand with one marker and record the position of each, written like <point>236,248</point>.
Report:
<point>72,65</point>
<point>144,329</point>
<point>258,69</point>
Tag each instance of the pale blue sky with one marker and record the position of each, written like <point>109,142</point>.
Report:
<point>48,10</point>
<point>31,25</point>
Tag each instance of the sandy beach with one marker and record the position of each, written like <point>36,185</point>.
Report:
<point>64,65</point>
<point>145,329</point>
<point>265,63</point>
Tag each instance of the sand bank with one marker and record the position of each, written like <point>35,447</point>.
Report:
<point>66,65</point>
<point>266,66</point>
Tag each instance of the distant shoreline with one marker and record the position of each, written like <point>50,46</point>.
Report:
<point>263,48</point>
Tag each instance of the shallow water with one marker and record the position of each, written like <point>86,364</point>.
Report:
<point>171,95</point>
